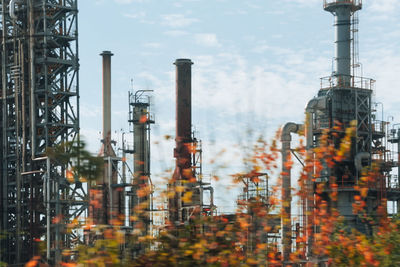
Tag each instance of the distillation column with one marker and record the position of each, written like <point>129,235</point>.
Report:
<point>140,117</point>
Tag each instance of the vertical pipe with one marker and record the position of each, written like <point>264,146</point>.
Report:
<point>110,190</point>
<point>32,78</point>
<point>106,99</point>
<point>48,210</point>
<point>17,152</point>
<point>46,76</point>
<point>4,136</point>
<point>123,159</point>
<point>286,191</point>
<point>309,183</point>
<point>398,169</point>
<point>22,63</point>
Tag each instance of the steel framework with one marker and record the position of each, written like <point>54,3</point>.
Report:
<point>39,110</point>
<point>140,120</point>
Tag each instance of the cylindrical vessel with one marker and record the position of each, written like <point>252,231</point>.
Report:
<point>343,42</point>
<point>343,11</point>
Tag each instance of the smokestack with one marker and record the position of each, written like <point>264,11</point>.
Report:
<point>106,99</point>
<point>342,10</point>
<point>183,112</point>
<point>183,170</point>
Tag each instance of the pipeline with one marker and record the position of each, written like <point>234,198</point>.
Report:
<point>12,7</point>
<point>358,159</point>
<point>286,222</point>
<point>318,103</point>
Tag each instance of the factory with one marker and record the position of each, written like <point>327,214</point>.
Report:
<point>41,194</point>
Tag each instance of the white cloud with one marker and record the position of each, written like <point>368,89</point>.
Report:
<point>152,45</point>
<point>231,85</point>
<point>305,2</point>
<point>175,33</point>
<point>383,6</point>
<point>129,1</point>
<point>177,20</point>
<point>138,15</point>
<point>207,39</point>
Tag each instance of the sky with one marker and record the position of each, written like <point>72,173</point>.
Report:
<point>256,65</point>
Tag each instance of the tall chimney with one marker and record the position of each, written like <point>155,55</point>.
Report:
<point>183,112</point>
<point>106,99</point>
<point>183,168</point>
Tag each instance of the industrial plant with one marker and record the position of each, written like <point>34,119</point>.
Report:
<point>41,194</point>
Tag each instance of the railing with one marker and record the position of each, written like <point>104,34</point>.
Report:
<point>344,81</point>
<point>378,126</point>
<point>333,2</point>
<point>147,117</point>
<point>393,182</point>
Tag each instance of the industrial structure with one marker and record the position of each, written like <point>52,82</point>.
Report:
<point>108,188</point>
<point>343,99</point>
<point>187,176</point>
<point>39,110</point>
<point>140,204</point>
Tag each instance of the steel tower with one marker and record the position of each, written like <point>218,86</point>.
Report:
<point>39,110</point>
<point>141,119</point>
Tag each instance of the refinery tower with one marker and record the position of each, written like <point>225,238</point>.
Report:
<point>345,99</point>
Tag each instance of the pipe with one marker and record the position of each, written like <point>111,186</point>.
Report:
<point>286,223</point>
<point>32,78</point>
<point>313,105</point>
<point>48,209</point>
<point>106,100</point>
<point>4,204</point>
<point>12,6</point>
<point>358,160</point>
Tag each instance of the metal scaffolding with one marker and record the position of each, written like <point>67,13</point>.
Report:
<point>39,110</point>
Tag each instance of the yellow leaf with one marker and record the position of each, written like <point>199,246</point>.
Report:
<point>187,197</point>
<point>179,189</point>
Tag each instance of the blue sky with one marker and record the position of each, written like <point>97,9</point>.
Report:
<point>256,65</point>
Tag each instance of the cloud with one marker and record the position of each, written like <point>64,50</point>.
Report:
<point>138,15</point>
<point>383,6</point>
<point>207,39</point>
<point>124,2</point>
<point>177,20</point>
<point>304,2</point>
<point>152,45</point>
<point>175,33</point>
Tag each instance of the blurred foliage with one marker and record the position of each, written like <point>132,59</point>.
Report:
<point>248,237</point>
<point>82,163</point>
